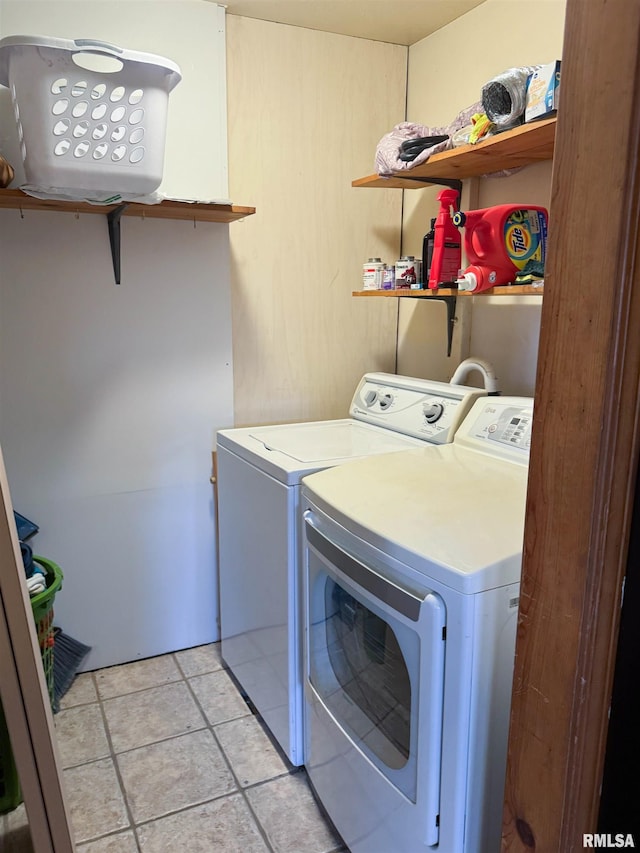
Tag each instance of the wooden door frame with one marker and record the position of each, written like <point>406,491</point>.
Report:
<point>584,453</point>
<point>25,697</point>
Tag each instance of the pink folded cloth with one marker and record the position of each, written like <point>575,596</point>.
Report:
<point>388,149</point>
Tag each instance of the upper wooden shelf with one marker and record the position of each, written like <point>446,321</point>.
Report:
<point>529,143</point>
<point>168,209</point>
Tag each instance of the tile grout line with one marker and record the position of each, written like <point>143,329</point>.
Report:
<point>130,692</point>
<point>114,761</point>
<point>114,755</point>
<point>339,848</point>
<point>240,790</point>
<point>301,769</point>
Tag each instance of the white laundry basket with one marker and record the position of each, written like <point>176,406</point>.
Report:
<point>91,117</point>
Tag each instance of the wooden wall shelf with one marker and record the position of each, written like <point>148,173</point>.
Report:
<point>522,146</point>
<point>196,211</point>
<point>505,290</point>
<point>180,210</point>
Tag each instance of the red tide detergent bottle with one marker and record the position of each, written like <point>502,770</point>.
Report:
<point>447,251</point>
<point>499,241</point>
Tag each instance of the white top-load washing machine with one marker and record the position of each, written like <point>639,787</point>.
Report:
<point>411,565</point>
<point>259,475</point>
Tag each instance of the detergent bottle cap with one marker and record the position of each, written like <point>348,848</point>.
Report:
<point>467,281</point>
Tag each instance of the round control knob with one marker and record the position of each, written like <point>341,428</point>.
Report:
<point>432,412</point>
<point>386,400</point>
<point>370,397</point>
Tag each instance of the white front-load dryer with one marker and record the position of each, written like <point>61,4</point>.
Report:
<point>411,565</point>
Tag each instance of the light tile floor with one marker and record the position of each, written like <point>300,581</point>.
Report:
<point>163,755</point>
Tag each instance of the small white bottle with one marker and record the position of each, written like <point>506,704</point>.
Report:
<point>372,274</point>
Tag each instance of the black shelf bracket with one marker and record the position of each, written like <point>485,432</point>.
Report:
<point>450,302</point>
<point>453,183</point>
<point>113,223</point>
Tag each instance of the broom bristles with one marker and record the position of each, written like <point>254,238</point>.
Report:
<point>68,655</point>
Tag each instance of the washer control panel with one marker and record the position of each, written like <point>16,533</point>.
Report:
<point>422,408</point>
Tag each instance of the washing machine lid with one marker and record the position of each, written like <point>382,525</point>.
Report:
<point>290,451</point>
<point>450,513</point>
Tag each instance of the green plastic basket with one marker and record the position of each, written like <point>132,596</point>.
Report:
<point>42,607</point>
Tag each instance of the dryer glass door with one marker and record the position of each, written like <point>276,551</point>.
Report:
<point>368,663</point>
<point>376,660</point>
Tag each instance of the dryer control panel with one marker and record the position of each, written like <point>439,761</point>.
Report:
<point>500,426</point>
<point>421,408</point>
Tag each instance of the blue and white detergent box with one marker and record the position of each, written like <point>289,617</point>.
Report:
<point>543,91</point>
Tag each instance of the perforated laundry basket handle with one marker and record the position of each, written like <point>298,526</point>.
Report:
<point>95,46</point>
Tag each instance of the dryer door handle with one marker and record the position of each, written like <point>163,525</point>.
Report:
<point>395,596</point>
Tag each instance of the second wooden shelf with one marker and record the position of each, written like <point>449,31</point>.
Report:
<point>505,290</point>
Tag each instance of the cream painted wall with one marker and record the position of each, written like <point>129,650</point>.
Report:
<point>306,109</point>
<point>446,73</point>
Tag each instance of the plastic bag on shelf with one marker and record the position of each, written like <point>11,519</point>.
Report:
<point>504,97</point>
